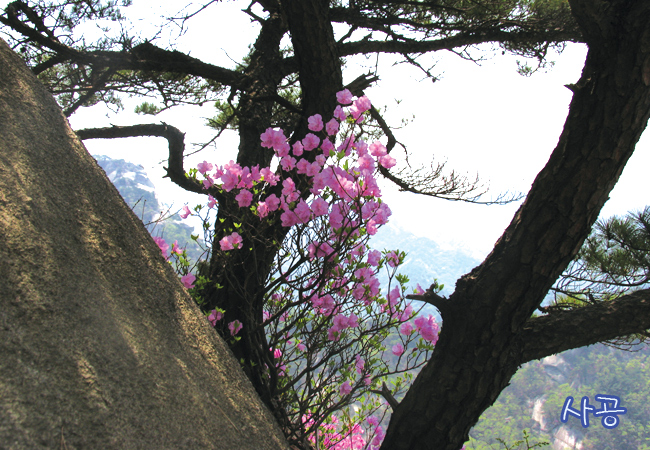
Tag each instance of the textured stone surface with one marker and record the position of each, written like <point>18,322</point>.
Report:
<point>100,346</point>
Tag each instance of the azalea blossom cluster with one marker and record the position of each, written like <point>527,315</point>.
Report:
<point>327,321</point>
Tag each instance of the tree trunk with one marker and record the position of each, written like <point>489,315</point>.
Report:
<point>243,273</point>
<point>481,345</point>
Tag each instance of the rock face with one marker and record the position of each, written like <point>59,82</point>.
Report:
<point>100,346</point>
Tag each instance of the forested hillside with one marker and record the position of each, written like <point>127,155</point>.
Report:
<point>536,395</point>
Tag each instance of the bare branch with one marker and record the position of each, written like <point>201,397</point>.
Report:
<point>602,321</point>
<point>174,136</point>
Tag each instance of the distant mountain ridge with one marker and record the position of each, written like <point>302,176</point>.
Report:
<point>425,259</point>
<point>139,193</point>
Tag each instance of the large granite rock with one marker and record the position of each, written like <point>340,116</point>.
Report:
<point>100,347</point>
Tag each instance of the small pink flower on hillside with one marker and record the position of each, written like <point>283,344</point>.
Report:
<point>211,202</point>
<point>162,245</point>
<point>332,127</point>
<point>362,104</point>
<point>344,97</point>
<point>186,212</point>
<point>392,259</point>
<point>244,198</point>
<point>387,161</point>
<point>398,349</point>
<point>204,167</point>
<point>373,421</point>
<point>346,388</point>
<point>315,122</point>
<point>310,142</point>
<point>302,347</point>
<point>277,353</point>
<point>235,327</point>
<point>188,280</point>
<point>214,317</point>
<point>419,290</point>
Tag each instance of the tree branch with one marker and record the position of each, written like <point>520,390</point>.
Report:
<point>448,43</point>
<point>564,330</point>
<point>174,136</point>
<point>146,57</point>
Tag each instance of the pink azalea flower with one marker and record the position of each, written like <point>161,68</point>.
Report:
<point>320,206</point>
<point>272,201</point>
<point>297,148</point>
<point>188,280</point>
<point>346,388</point>
<point>230,242</point>
<point>162,245</point>
<point>392,259</point>
<point>310,142</point>
<point>373,257</point>
<point>332,127</point>
<point>289,219</point>
<point>208,182</point>
<point>359,364</point>
<point>377,149</point>
<point>244,198</point>
<point>186,212</point>
<point>211,202</point>
<point>327,146</point>
<point>406,328</point>
<point>344,97</point>
<point>340,114</point>
<point>204,167</point>
<point>303,212</point>
<point>315,122</point>
<point>288,163</point>
<point>398,349</point>
<point>214,317</point>
<point>175,248</point>
<point>419,290</point>
<point>262,210</point>
<point>387,161</point>
<point>235,327</point>
<point>269,176</point>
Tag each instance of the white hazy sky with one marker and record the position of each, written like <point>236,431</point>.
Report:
<point>484,120</point>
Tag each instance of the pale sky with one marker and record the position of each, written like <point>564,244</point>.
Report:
<point>484,120</point>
